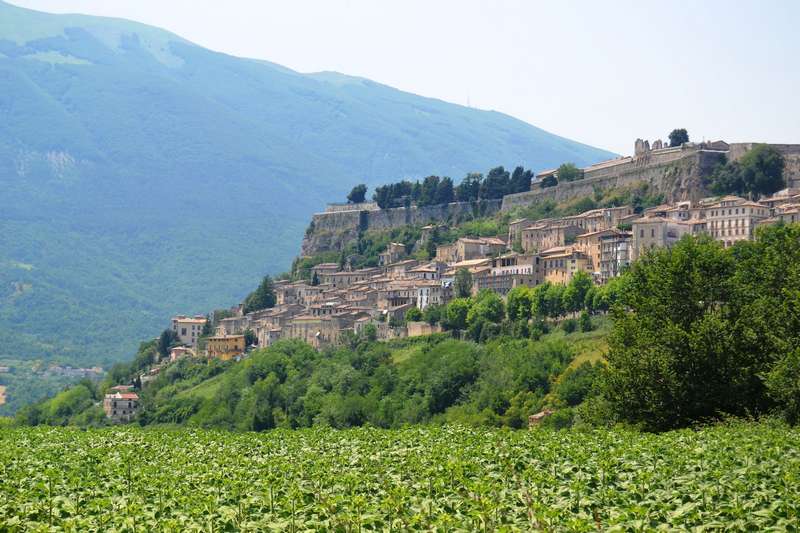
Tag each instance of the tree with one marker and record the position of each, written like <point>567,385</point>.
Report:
<point>430,187</point>
<point>684,348</point>
<point>358,194</point>
<point>208,327</point>
<point>496,184</point>
<point>521,180</point>
<point>488,307</point>
<point>519,303</point>
<point>569,172</point>
<point>574,296</point>
<point>250,337</point>
<point>678,136</point>
<point>456,313</point>
<point>414,315</point>
<point>434,314</point>
<point>445,193</point>
<point>462,285</point>
<point>548,181</point>
<point>166,341</point>
<point>554,300</point>
<point>262,298</point>
<point>469,188</point>
<point>759,172</point>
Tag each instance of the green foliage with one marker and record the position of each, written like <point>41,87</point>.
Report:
<point>519,303</point>
<point>262,298</point>
<point>585,322</point>
<point>574,294</point>
<point>462,284</point>
<point>678,136</point>
<point>737,476</point>
<point>358,194</point>
<point>414,314</point>
<point>250,337</point>
<point>759,172</point>
<point>569,172</point>
<point>456,313</point>
<point>166,341</point>
<point>705,331</point>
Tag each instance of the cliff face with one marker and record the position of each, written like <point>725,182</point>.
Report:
<point>332,230</point>
<point>676,173</point>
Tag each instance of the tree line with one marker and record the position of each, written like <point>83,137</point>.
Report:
<point>435,190</point>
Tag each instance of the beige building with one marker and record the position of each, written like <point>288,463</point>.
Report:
<point>560,264</point>
<point>732,219</point>
<point>225,347</point>
<point>121,406</point>
<point>549,235</point>
<point>589,243</point>
<point>656,232</point>
<point>188,329</point>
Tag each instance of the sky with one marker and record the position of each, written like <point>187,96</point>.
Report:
<point>603,73</point>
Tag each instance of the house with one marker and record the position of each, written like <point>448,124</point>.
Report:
<point>731,219</point>
<point>507,272</point>
<point>179,352</point>
<point>430,292</point>
<point>560,264</point>
<point>548,235</point>
<point>225,347</point>
<point>615,254</point>
<point>121,406</point>
<point>589,243</point>
<point>188,329</point>
<point>656,232</point>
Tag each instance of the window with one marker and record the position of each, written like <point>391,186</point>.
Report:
<point>652,232</point>
<point>183,332</point>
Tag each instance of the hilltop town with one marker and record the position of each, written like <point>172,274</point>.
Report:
<point>336,301</point>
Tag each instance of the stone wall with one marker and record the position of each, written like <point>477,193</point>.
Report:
<point>331,231</point>
<point>674,172</point>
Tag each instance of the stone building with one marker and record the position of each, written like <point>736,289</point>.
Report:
<point>656,232</point>
<point>188,329</point>
<point>121,406</point>
<point>560,264</point>
<point>543,236</point>
<point>731,219</point>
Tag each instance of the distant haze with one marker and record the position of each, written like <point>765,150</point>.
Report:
<point>602,73</point>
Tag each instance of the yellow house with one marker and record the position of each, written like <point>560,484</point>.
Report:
<point>225,347</point>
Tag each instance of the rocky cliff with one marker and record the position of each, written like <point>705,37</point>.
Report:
<point>333,229</point>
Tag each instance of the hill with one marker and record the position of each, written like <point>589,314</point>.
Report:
<point>144,175</point>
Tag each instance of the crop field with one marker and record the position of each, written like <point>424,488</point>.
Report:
<point>733,477</point>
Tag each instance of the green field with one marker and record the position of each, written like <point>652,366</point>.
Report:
<point>737,476</point>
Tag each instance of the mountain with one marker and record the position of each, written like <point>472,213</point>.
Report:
<point>143,175</point>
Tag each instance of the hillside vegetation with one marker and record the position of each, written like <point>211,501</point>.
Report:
<point>143,175</point>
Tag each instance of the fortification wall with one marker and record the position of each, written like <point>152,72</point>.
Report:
<point>332,230</point>
<point>674,172</point>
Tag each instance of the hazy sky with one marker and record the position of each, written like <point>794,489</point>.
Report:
<point>600,72</point>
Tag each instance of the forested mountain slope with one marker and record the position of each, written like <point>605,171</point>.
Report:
<point>143,175</point>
